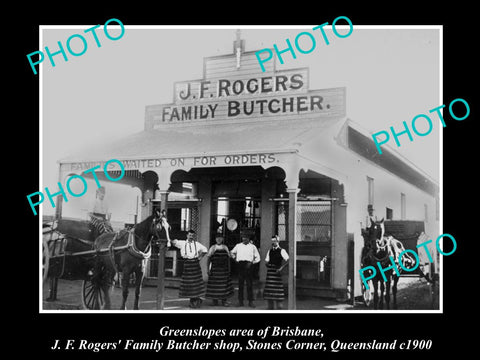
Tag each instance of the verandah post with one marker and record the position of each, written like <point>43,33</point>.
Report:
<point>292,248</point>
<point>162,245</point>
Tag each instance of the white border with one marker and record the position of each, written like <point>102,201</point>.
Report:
<point>186,312</point>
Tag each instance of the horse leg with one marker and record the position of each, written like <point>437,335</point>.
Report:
<point>106,293</point>
<point>375,294</point>
<point>125,281</point>
<point>138,286</point>
<point>53,289</point>
<point>387,292</point>
<point>382,289</point>
<point>394,291</point>
<point>106,289</point>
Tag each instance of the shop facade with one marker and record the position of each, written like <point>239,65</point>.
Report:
<point>241,151</point>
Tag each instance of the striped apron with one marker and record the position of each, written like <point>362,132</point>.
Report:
<point>192,285</point>
<point>274,285</point>
<point>219,285</point>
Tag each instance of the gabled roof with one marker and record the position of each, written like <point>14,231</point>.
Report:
<point>358,140</point>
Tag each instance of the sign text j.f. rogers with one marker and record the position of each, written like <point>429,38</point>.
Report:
<point>285,93</point>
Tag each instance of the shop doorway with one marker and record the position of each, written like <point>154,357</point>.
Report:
<point>234,217</point>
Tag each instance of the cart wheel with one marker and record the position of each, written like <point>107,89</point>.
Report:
<point>92,296</point>
<point>367,294</point>
<point>45,260</point>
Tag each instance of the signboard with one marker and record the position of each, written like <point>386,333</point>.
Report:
<point>283,82</point>
<point>254,159</point>
<point>243,95</point>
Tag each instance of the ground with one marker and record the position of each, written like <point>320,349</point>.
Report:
<point>413,294</point>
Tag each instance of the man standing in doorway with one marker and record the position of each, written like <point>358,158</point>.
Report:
<point>245,254</point>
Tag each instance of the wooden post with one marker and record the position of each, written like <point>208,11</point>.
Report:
<point>292,248</point>
<point>161,258</point>
<point>59,199</point>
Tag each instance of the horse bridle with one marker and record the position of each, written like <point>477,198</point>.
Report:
<point>377,247</point>
<point>155,230</point>
<point>163,221</point>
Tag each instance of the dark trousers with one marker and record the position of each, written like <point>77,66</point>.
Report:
<point>245,274</point>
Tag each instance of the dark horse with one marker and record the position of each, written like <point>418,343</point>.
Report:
<point>376,250</point>
<point>135,246</point>
<point>379,248</point>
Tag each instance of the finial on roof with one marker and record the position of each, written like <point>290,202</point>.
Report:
<point>238,46</point>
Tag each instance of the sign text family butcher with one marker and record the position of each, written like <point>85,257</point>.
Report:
<point>285,93</point>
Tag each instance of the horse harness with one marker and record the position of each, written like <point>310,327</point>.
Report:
<point>392,248</point>
<point>131,247</point>
<point>57,247</point>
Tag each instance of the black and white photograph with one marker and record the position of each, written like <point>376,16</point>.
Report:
<point>258,185</point>
<point>238,171</point>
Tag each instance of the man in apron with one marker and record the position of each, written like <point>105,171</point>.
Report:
<point>219,285</point>
<point>192,285</point>
<point>276,260</point>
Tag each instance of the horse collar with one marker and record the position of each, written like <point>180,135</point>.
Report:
<point>133,250</point>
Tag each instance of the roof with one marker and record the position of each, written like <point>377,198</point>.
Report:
<point>359,141</point>
<point>305,137</point>
<point>268,136</point>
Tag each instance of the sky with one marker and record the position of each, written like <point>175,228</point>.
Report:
<point>390,75</point>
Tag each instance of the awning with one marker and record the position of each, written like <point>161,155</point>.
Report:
<point>187,141</point>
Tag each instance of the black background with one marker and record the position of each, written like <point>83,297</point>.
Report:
<point>30,331</point>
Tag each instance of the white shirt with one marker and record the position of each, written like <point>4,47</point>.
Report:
<point>189,249</point>
<point>246,252</point>
<point>282,252</point>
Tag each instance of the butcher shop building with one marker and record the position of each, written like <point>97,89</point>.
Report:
<point>241,151</point>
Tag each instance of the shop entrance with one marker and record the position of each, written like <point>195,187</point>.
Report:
<point>236,211</point>
<point>234,217</point>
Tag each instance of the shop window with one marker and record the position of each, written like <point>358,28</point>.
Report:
<point>314,221</point>
<point>314,237</point>
<point>389,214</point>
<point>370,185</point>
<point>282,220</point>
<point>185,219</point>
<point>403,206</point>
